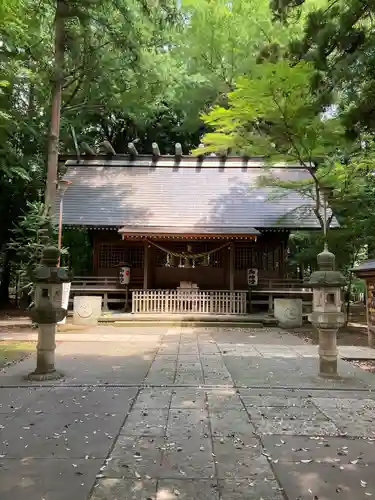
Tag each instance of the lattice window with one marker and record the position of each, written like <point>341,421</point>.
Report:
<point>136,257</point>
<point>216,259</point>
<point>266,258</point>
<point>160,258</point>
<point>244,258</point>
<point>276,258</point>
<point>111,255</point>
<point>270,259</point>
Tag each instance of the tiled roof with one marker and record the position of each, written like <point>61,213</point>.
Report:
<point>367,265</point>
<point>186,196</point>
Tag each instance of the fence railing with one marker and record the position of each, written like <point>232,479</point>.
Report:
<point>189,301</point>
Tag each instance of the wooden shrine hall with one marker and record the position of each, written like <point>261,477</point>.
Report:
<point>197,232</point>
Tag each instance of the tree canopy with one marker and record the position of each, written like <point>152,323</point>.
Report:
<point>283,79</point>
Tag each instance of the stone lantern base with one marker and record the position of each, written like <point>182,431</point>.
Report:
<point>43,377</point>
<point>45,356</point>
<point>328,353</point>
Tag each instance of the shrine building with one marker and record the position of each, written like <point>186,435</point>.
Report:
<point>183,221</point>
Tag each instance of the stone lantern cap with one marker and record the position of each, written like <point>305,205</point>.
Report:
<point>326,276</point>
<point>47,271</point>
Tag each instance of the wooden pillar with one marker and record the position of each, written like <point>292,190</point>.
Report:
<point>231,265</point>
<point>145,266</point>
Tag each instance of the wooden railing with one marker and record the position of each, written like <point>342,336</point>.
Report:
<point>108,287</point>
<point>181,301</point>
<point>190,301</point>
<point>281,284</point>
<point>97,282</point>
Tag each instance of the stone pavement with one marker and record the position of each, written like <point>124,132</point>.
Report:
<point>171,413</point>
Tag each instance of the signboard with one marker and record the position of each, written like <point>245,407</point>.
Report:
<point>252,277</point>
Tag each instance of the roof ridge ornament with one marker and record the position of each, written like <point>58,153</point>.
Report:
<point>106,147</point>
<point>155,150</point>
<point>178,150</point>
<point>132,149</point>
<point>88,150</point>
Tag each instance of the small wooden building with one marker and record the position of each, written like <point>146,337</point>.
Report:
<point>185,220</point>
<point>366,271</point>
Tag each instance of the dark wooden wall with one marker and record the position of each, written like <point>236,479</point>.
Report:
<point>268,254</point>
<point>109,250</point>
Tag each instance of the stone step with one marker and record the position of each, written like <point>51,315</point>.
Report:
<point>248,321</point>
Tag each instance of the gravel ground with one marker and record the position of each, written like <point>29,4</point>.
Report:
<point>366,365</point>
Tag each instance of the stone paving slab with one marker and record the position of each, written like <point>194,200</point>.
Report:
<point>124,489</point>
<point>322,481</point>
<point>187,422</point>
<point>277,396</point>
<point>276,414</point>
<point>251,489</point>
<point>188,399</point>
<point>239,457</point>
<point>51,479</point>
<point>98,400</point>
<point>296,428</point>
<point>187,489</point>
<point>231,423</point>
<point>329,450</point>
<point>13,400</point>
<point>151,423</point>
<point>59,435</point>
<point>224,399</point>
<point>153,399</point>
<point>187,413</point>
<point>135,457</point>
<point>188,457</point>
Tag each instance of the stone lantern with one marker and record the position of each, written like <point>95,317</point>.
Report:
<point>47,310</point>
<point>327,316</point>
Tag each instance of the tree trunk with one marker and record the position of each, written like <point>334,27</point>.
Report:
<point>349,290</point>
<point>54,133</point>
<point>4,283</point>
<point>347,299</point>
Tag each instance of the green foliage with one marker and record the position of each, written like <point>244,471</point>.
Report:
<point>79,248</point>
<point>116,72</point>
<point>218,42</point>
<point>271,113</point>
<point>338,39</point>
<point>32,233</point>
<point>149,70</point>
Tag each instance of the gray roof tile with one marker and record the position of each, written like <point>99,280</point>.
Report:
<point>183,197</point>
<point>367,265</point>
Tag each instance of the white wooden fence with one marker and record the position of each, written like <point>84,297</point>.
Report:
<point>189,301</point>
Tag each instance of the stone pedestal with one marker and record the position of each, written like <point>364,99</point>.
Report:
<point>288,312</point>
<point>328,353</point>
<point>65,300</point>
<point>45,354</point>
<point>371,336</point>
<point>87,309</point>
